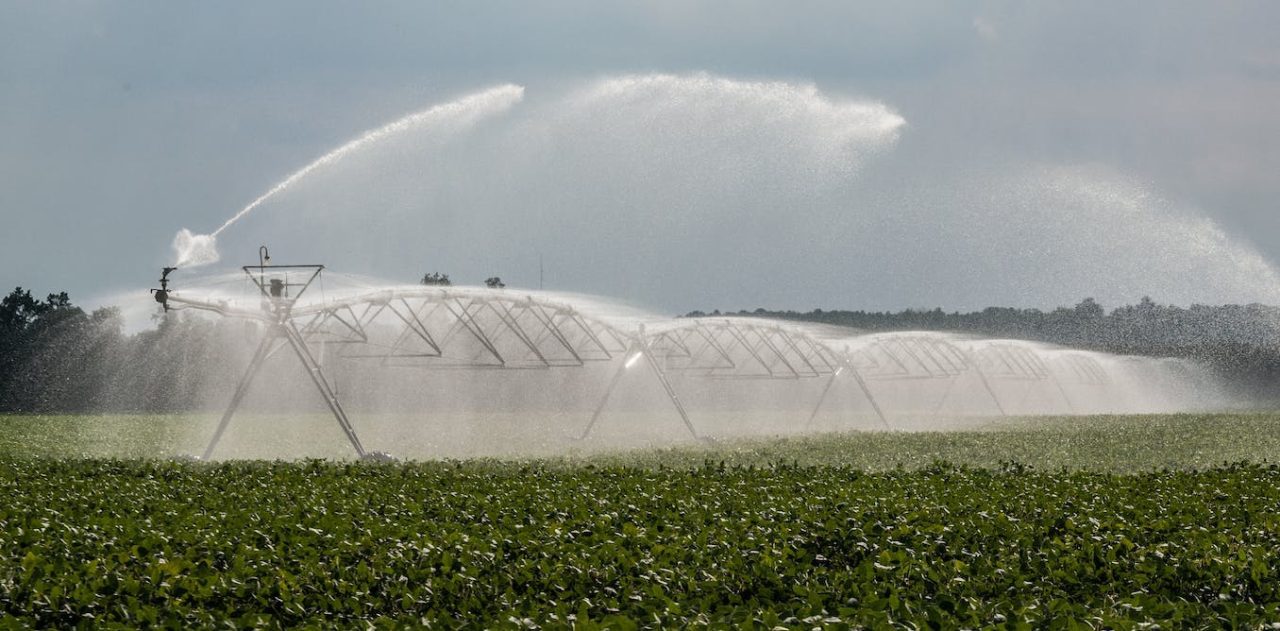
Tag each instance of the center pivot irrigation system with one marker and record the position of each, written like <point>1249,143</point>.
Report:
<point>474,328</point>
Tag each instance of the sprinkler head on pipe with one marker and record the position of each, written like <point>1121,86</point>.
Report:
<point>162,294</point>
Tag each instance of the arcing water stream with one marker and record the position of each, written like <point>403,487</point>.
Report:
<point>196,249</point>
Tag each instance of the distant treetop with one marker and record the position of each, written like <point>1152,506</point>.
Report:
<point>436,278</point>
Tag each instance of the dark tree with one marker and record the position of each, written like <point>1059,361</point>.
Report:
<point>1089,309</point>
<point>493,282</point>
<point>436,278</point>
<point>18,310</point>
<point>44,353</point>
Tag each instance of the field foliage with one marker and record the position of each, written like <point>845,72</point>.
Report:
<point>1095,443</point>
<point>642,539</point>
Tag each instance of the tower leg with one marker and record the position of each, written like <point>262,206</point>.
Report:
<point>866,392</point>
<point>317,377</point>
<point>604,400</point>
<point>862,383</point>
<point>946,394</point>
<point>821,398</point>
<point>987,384</point>
<point>671,393</point>
<point>1071,408</point>
<point>242,388</point>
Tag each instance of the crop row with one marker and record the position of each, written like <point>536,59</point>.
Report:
<point>90,542</point>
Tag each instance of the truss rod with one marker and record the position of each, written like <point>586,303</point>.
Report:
<point>468,322</point>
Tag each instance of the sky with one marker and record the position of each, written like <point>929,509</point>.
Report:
<point>675,155</point>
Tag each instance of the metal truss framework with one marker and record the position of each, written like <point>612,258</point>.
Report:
<point>480,328</point>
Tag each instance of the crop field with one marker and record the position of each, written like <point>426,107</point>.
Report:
<point>1081,532</point>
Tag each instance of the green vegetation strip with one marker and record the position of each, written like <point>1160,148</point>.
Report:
<point>96,542</point>
<point>1122,444</point>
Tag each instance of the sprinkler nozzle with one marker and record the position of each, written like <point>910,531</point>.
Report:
<point>162,294</point>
